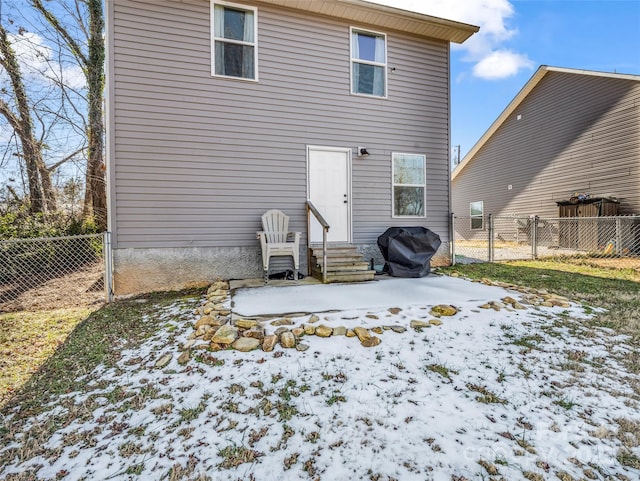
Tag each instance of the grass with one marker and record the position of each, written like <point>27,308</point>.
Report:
<point>444,371</point>
<point>234,456</point>
<point>78,342</point>
<point>94,338</point>
<point>27,339</point>
<point>580,280</point>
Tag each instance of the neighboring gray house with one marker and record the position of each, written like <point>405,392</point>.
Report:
<point>219,111</point>
<point>566,131</point>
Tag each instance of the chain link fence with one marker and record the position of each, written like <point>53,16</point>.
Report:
<point>57,272</point>
<point>611,241</point>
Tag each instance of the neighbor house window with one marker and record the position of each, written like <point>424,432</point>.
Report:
<point>409,185</point>
<point>368,63</point>
<point>234,40</point>
<point>477,214</point>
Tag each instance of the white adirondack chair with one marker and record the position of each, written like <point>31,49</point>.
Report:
<point>274,240</point>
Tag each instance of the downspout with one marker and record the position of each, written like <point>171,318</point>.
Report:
<point>449,213</point>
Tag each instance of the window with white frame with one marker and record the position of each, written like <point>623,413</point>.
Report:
<point>409,185</point>
<point>476,210</point>
<point>234,40</point>
<point>368,63</point>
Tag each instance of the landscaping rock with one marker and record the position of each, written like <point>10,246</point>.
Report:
<point>371,341</point>
<point>280,330</point>
<point>225,335</point>
<point>282,322</point>
<point>339,331</point>
<point>435,322</point>
<point>313,319</point>
<point>309,329</point>
<point>377,330</point>
<point>214,346</point>
<point>269,342</point>
<point>323,331</point>
<point>398,329</point>
<point>163,361</point>
<point>362,333</point>
<point>210,333</point>
<point>394,310</point>
<point>302,347</point>
<point>202,330</point>
<point>256,332</point>
<point>184,357</point>
<point>443,310</point>
<point>415,324</point>
<point>298,332</point>
<point>204,321</point>
<point>287,340</point>
<point>246,323</point>
<point>246,344</point>
<point>350,333</point>
<point>372,316</point>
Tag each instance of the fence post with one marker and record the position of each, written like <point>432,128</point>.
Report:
<point>534,238</point>
<point>618,236</point>
<point>490,234</point>
<point>452,235</point>
<point>108,266</point>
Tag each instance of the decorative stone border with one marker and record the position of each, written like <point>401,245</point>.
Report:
<point>216,329</point>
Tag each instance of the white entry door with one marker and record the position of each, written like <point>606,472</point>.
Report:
<point>329,183</point>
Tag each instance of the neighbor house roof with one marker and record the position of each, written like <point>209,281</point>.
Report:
<point>386,17</point>
<point>518,99</point>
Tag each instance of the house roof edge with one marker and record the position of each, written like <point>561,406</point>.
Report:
<point>520,96</point>
<point>368,12</point>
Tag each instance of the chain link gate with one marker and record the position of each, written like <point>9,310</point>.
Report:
<point>500,238</point>
<point>49,273</point>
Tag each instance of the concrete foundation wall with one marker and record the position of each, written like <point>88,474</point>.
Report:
<point>163,269</point>
<point>145,270</point>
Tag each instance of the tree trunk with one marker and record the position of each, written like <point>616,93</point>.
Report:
<point>95,85</point>
<point>92,64</point>
<point>41,194</point>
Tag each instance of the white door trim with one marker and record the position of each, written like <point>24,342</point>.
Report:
<point>348,152</point>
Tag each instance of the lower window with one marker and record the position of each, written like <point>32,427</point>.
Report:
<point>409,185</point>
<point>476,210</point>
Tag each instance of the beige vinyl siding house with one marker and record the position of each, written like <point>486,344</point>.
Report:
<point>566,131</point>
<point>198,151</point>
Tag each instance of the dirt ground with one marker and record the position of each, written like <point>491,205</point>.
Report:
<point>84,287</point>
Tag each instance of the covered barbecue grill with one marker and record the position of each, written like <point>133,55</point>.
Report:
<point>408,250</point>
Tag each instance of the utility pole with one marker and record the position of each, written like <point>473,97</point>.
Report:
<point>455,156</point>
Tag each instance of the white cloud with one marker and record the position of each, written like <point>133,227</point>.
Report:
<point>501,64</point>
<point>37,61</point>
<point>485,48</point>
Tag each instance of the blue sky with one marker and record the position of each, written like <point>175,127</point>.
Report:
<point>518,36</point>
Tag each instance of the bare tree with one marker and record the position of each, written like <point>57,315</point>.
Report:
<point>89,52</point>
<point>18,114</point>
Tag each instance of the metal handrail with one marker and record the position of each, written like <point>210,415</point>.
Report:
<point>325,229</point>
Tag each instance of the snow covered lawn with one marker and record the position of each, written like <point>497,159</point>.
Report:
<point>530,394</point>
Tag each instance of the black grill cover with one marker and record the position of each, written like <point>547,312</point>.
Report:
<point>408,250</point>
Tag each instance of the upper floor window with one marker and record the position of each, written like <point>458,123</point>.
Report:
<point>409,185</point>
<point>234,40</point>
<point>368,63</point>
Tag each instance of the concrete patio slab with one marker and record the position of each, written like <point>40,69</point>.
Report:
<point>384,292</point>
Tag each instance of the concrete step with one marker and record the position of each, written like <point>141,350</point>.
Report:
<point>344,266</point>
<point>349,276</point>
<point>342,260</point>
